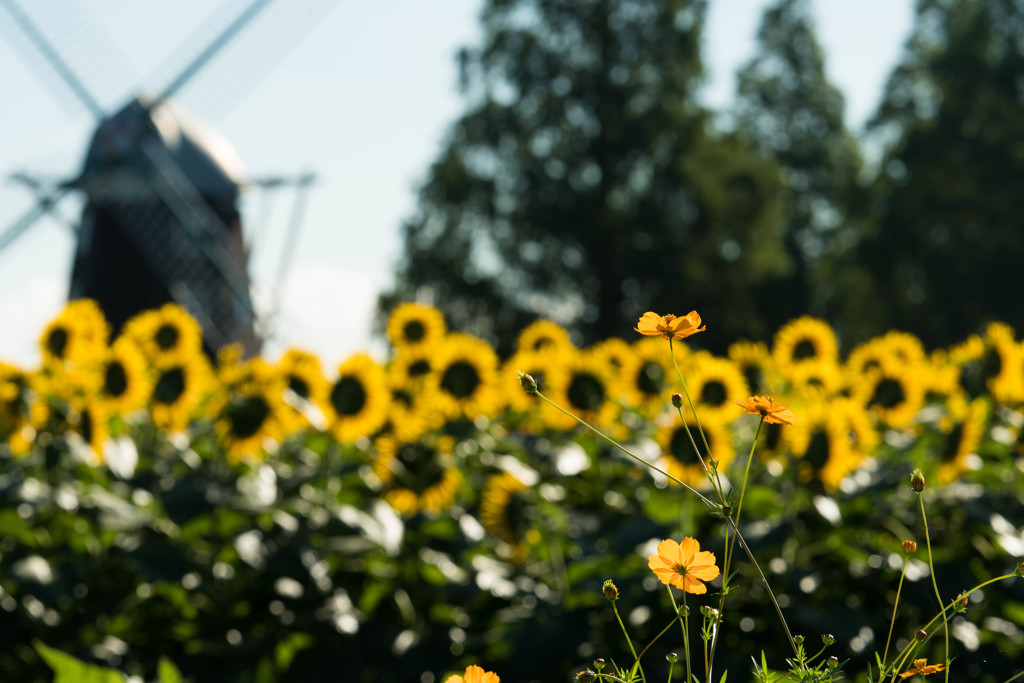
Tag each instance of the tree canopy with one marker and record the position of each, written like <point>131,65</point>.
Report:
<point>949,234</point>
<point>587,183</point>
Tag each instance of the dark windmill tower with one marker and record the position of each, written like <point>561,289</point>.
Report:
<point>161,223</point>
<point>161,217</point>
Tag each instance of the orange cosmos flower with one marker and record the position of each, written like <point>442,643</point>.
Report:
<point>669,326</point>
<point>766,407</point>
<point>474,674</point>
<point>683,565</point>
<point>921,666</point>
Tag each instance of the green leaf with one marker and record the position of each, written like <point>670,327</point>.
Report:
<point>68,669</point>
<point>287,650</point>
<point>167,672</point>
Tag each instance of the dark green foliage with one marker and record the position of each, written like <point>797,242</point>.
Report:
<point>950,237</point>
<point>794,115</point>
<point>297,571</point>
<point>585,184</point>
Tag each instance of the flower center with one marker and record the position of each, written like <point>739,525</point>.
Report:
<point>348,396</point>
<point>166,337</point>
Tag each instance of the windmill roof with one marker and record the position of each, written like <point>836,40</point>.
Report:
<point>117,153</point>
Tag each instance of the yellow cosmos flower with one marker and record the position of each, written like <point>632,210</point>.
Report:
<point>474,674</point>
<point>922,667</point>
<point>357,403</point>
<point>669,326</point>
<point>544,335</point>
<point>683,565</point>
<point>770,412</point>
<point>413,325</point>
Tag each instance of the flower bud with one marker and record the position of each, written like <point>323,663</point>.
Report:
<point>684,610</point>
<point>917,480</point>
<point>827,639</point>
<point>921,635</point>
<point>529,383</point>
<point>1020,569</point>
<point>671,658</point>
<point>586,676</point>
<point>909,547</point>
<point>611,593</point>
<point>677,400</point>
<point>832,663</point>
<point>960,604</point>
<point>599,664</point>
<point>798,639</point>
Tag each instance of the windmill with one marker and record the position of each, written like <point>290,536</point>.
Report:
<point>160,221</point>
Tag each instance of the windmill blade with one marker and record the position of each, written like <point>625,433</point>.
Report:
<point>211,50</point>
<point>269,28</point>
<point>43,205</point>
<point>82,46</point>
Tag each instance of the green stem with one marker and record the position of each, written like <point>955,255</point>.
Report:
<point>895,605</point>
<point>729,519</point>
<point>905,653</point>
<point>628,452</point>
<point>689,401</point>
<point>935,586</point>
<point>636,660</point>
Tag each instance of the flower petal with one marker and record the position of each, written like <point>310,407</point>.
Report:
<point>689,548</point>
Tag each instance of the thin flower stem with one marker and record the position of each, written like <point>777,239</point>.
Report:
<point>746,472</point>
<point>636,660</point>
<point>931,571</point>
<point>628,452</point>
<point>660,634</point>
<point>906,652</point>
<point>730,546</point>
<point>895,605</point>
<point>686,628</point>
<point>689,401</point>
<point>729,519</point>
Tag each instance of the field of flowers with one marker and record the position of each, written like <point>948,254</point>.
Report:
<point>402,518</point>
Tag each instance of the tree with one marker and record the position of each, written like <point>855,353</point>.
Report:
<point>584,184</point>
<point>950,236</point>
<point>794,115</point>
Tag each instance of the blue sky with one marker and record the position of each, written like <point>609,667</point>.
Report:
<point>362,98</point>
